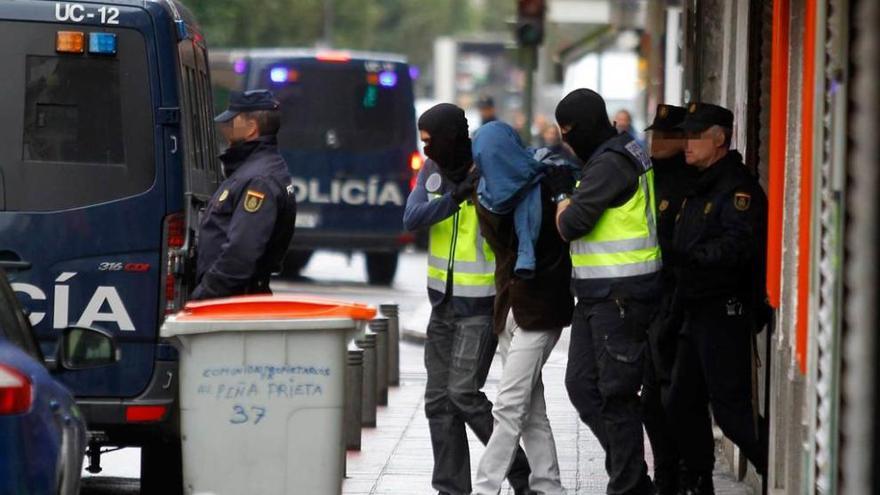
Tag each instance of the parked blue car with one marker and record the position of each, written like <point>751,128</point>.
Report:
<point>42,432</point>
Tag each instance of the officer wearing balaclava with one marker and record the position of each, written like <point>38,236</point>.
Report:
<point>461,287</point>
<point>609,219</point>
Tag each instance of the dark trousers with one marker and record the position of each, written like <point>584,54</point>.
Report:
<point>660,431</point>
<point>606,363</point>
<point>458,355</point>
<point>713,367</point>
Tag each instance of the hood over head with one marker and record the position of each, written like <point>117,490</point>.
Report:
<point>450,144</point>
<point>584,110</point>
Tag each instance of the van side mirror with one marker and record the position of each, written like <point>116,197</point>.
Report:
<point>86,348</point>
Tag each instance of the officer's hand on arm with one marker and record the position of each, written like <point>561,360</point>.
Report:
<point>601,184</point>
<point>740,212</point>
<point>250,229</point>
<point>465,189</point>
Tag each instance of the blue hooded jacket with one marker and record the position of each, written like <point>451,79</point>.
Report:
<point>510,176</point>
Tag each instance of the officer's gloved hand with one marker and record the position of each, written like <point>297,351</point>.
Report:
<point>465,188</point>
<point>558,180</point>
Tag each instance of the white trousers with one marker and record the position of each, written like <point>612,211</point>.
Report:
<point>520,412</point>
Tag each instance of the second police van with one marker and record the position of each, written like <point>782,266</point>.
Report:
<point>349,136</point>
<point>107,154</point>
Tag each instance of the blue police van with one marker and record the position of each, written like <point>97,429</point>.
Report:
<point>349,136</point>
<point>107,154</point>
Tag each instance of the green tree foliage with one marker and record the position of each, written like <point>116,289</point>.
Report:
<point>400,26</point>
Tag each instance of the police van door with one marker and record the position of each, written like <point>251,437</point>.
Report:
<point>83,200</point>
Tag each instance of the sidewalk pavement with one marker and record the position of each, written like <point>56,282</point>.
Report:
<point>396,457</point>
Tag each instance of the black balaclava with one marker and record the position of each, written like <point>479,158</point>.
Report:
<point>584,110</point>
<point>450,145</point>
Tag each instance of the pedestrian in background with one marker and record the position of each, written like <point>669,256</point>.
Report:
<point>532,306</point>
<point>247,226</point>
<point>486,107</point>
<point>672,179</point>
<point>610,220</point>
<point>461,288</point>
<point>623,122</point>
<point>718,250</point>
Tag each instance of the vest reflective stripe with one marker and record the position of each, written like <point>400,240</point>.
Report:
<point>456,244</point>
<point>623,242</point>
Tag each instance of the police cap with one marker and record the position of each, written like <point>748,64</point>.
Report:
<point>701,116</point>
<point>667,118</point>
<point>248,101</point>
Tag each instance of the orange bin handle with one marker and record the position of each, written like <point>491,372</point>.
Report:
<point>275,307</point>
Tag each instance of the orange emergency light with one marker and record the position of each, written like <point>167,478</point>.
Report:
<point>70,42</point>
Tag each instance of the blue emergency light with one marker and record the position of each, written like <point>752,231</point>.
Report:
<point>102,43</point>
<point>279,74</point>
<point>388,79</point>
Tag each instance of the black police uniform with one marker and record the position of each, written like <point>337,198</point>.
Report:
<point>673,178</point>
<point>718,248</point>
<point>247,227</point>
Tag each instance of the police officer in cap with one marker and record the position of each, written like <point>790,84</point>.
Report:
<point>672,179</point>
<point>247,226</point>
<point>718,252</point>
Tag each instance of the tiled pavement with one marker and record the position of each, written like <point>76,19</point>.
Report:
<point>396,457</point>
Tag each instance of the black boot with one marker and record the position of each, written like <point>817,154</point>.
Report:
<point>697,484</point>
<point>666,481</point>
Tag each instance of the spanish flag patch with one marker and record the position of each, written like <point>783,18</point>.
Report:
<point>742,201</point>
<point>253,200</point>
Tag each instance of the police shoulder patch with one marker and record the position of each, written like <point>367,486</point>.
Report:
<point>253,200</point>
<point>742,201</point>
<point>433,183</point>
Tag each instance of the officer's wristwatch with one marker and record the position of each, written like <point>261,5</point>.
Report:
<point>559,198</point>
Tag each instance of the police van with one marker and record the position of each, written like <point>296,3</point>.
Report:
<point>106,155</point>
<point>349,136</point>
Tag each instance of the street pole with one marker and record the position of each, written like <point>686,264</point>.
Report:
<point>328,23</point>
<point>530,64</point>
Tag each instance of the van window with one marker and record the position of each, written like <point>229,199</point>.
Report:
<point>77,128</point>
<point>66,119</point>
<point>343,106</point>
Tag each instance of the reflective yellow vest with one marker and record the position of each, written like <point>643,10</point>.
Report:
<point>623,243</point>
<point>456,246</point>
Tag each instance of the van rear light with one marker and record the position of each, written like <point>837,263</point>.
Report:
<point>16,391</point>
<point>144,414</point>
<point>333,56</point>
<point>175,230</point>
<point>174,236</point>
<point>415,164</point>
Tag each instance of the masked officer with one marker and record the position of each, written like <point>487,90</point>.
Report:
<point>461,287</point>
<point>247,226</point>
<point>718,252</point>
<point>610,221</point>
<point>673,178</point>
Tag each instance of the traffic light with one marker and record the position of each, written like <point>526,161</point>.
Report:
<point>530,22</point>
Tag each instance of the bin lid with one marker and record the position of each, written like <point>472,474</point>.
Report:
<point>274,307</point>
<point>271,312</point>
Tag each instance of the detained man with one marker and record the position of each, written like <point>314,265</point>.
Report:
<point>532,304</point>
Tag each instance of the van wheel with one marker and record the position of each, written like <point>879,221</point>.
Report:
<point>294,263</point>
<point>381,268</point>
<point>161,468</point>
